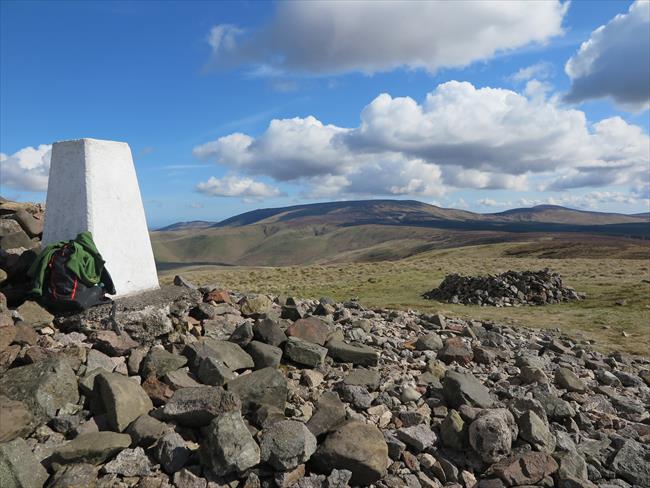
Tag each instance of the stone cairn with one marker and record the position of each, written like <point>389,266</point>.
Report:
<point>198,388</point>
<point>507,289</point>
<point>21,228</point>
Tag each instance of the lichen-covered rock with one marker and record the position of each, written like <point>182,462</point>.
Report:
<point>124,399</point>
<point>19,468</point>
<point>229,446</point>
<point>286,444</point>
<point>357,447</point>
<point>94,448</point>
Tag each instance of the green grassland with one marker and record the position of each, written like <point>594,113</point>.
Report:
<point>599,271</point>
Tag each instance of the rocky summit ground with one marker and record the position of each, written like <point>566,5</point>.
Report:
<point>198,388</point>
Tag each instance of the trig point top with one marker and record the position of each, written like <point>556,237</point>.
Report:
<point>93,187</point>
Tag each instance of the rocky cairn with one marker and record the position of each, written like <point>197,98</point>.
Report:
<point>198,388</point>
<point>21,228</point>
<point>508,289</point>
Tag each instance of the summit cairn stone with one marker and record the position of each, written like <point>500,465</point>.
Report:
<point>93,187</point>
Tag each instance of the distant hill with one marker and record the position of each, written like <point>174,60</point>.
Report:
<point>372,230</point>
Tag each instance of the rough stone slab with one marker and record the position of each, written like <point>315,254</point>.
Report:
<point>195,407</point>
<point>44,387</point>
<point>94,448</point>
<point>125,400</point>
<point>19,468</point>
<point>356,354</point>
<point>224,453</point>
<point>305,353</point>
<point>266,386</point>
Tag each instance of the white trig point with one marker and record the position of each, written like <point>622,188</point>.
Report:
<point>93,187</point>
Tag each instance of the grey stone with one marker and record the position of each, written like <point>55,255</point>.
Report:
<point>160,362</point>
<point>356,395</point>
<point>363,377</point>
<point>97,359</point>
<point>429,342</point>
<point>269,332</point>
<point>229,446</point>
<point>266,386</point>
<point>286,444</point>
<point>15,419</point>
<point>492,433</point>
<point>310,329</point>
<point>255,305</point>
<point>453,431</point>
<point>305,353</point>
<point>329,413</point>
<point>186,479</point>
<point>19,468</point>
<point>230,354</point>
<point>76,475</point>
<point>535,430</point>
<point>460,389</point>
<point>567,380</point>
<point>34,315</point>
<point>356,354</point>
<point>146,430</point>
<point>214,372</point>
<point>180,379</point>
<point>124,399</point>
<point>631,463</point>
<point>195,407</point>
<point>44,387</point>
<point>418,437</point>
<point>93,448</point>
<point>171,452</point>
<point>264,355</point>
<point>242,335</point>
<point>129,462</point>
<point>357,447</point>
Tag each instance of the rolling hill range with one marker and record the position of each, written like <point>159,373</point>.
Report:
<point>374,230</point>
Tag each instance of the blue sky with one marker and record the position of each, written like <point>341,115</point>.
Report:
<point>481,109</point>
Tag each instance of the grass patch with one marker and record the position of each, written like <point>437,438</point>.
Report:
<point>400,284</point>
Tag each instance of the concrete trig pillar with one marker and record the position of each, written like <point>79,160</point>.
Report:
<point>93,186</point>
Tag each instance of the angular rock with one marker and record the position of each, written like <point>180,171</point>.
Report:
<point>357,447</point>
<point>34,315</point>
<point>160,362</point>
<point>311,329</point>
<point>357,396</point>
<point>229,446</point>
<point>214,372</point>
<point>130,462</point>
<point>361,355</point>
<point>195,407</point>
<point>418,437</point>
<point>146,430</point>
<point>15,419</point>
<point>363,377</point>
<point>464,389</point>
<point>76,475</point>
<point>255,305</point>
<point>19,468</point>
<point>124,399</point>
<point>305,353</point>
<point>286,444</point>
<point>535,430</point>
<point>266,386</point>
<point>456,349</point>
<point>94,448</point>
<point>171,452</point>
<point>525,469</point>
<point>330,412</point>
<point>44,387</point>
<point>631,463</point>
<point>230,354</point>
<point>242,335</point>
<point>429,342</point>
<point>264,355</point>
<point>567,380</point>
<point>112,344</point>
<point>97,359</point>
<point>269,332</point>
<point>453,431</point>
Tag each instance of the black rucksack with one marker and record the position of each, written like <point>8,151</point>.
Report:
<point>64,291</point>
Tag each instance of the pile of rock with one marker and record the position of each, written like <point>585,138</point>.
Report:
<point>210,388</point>
<point>505,290</point>
<point>21,228</point>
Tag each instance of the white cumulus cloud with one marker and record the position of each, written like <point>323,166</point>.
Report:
<point>325,37</point>
<point>459,137</point>
<point>234,186</point>
<point>615,61</point>
<point>26,169</point>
